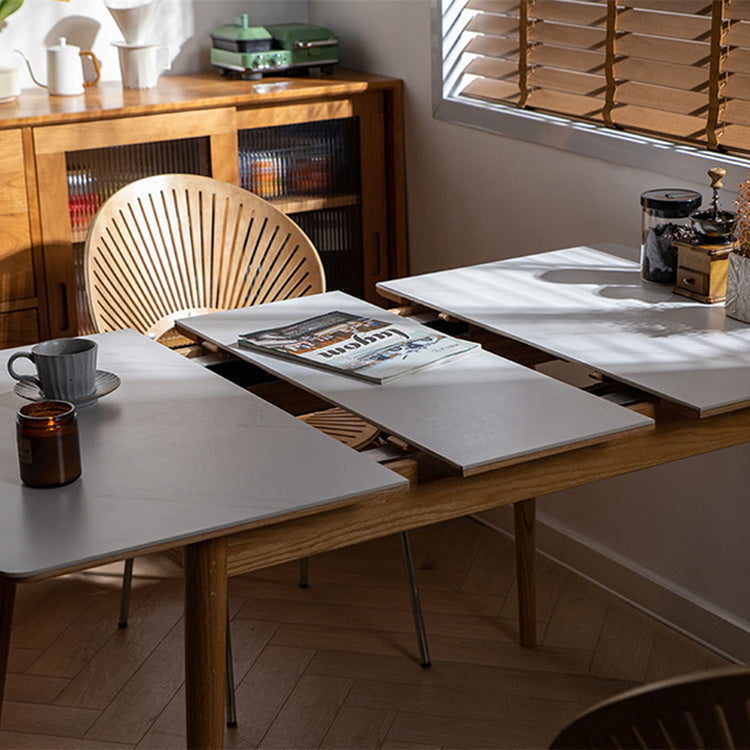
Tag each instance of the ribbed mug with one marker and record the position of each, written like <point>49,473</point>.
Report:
<point>66,368</point>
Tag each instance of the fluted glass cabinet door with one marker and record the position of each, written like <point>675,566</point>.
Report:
<point>310,170</point>
<point>79,165</point>
<point>319,164</point>
<point>95,174</point>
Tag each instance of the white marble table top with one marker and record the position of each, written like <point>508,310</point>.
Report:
<point>592,307</point>
<point>474,413</point>
<point>174,453</point>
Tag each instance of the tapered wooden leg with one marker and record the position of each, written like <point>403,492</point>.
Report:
<point>7,599</point>
<point>205,643</point>
<point>524,515</point>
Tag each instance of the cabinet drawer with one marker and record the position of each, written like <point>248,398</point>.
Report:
<point>692,281</point>
<point>19,327</point>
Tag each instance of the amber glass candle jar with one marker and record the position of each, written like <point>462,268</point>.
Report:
<point>48,450</point>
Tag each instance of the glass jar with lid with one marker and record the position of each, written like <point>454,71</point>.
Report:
<point>665,218</point>
<point>48,449</point>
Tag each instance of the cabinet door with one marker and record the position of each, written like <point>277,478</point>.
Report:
<point>80,165</point>
<point>323,164</point>
<point>18,316</point>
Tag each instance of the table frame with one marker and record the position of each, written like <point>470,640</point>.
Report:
<point>434,497</point>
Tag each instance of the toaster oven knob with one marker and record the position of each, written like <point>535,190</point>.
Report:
<point>273,61</point>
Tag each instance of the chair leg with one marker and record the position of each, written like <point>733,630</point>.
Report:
<point>231,703</point>
<point>127,581</point>
<point>416,605</point>
<point>304,569</point>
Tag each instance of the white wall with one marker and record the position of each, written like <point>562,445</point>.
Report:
<point>677,533</point>
<point>184,25</point>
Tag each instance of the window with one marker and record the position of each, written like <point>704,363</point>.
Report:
<point>677,71</point>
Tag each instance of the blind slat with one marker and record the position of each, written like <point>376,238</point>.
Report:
<point>492,90</point>
<point>662,74</point>
<point>688,7</point>
<point>568,36</point>
<point>585,61</point>
<point>576,13</point>
<point>664,24</point>
<point>492,46</point>
<point>737,61</point>
<point>737,111</point>
<point>492,67</point>
<point>666,50</point>
<point>738,9</point>
<point>574,83</point>
<point>659,97</point>
<point>494,6</point>
<point>735,136</point>
<point>557,101</point>
<point>737,87</point>
<point>493,25</point>
<point>738,35</point>
<point>655,121</point>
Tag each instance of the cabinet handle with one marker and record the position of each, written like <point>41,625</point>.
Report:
<point>64,307</point>
<point>688,280</point>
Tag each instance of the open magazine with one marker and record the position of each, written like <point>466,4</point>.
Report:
<point>375,350</point>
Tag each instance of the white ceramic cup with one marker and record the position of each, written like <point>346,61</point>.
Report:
<point>9,86</point>
<point>66,368</point>
<point>133,18</point>
<point>141,64</point>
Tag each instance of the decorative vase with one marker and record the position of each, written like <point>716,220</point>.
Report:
<point>738,287</point>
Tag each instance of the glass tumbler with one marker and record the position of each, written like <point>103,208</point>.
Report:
<point>48,450</point>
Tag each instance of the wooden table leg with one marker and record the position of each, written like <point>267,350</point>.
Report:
<point>524,516</point>
<point>205,643</point>
<point>7,599</point>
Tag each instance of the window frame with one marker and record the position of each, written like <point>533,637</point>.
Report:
<point>670,159</point>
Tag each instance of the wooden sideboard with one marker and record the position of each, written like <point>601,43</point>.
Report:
<point>46,203</point>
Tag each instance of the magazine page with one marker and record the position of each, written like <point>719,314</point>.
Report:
<point>373,349</point>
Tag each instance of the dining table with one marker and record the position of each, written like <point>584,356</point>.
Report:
<point>666,379</point>
<point>178,458</point>
<point>175,458</point>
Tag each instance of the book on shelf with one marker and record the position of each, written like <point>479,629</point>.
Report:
<point>364,347</point>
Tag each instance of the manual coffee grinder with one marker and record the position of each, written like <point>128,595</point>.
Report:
<point>702,261</point>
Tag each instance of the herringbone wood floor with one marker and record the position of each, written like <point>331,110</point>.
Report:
<point>335,665</point>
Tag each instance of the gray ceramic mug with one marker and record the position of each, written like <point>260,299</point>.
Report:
<point>66,368</point>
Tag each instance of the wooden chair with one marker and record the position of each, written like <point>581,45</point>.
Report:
<point>169,246</point>
<point>707,709</point>
<point>175,245</point>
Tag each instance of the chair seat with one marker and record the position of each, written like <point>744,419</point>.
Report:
<point>342,425</point>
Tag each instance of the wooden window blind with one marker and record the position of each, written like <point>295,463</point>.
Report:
<point>678,69</point>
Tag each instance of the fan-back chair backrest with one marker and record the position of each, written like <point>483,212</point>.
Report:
<point>701,710</point>
<point>169,246</point>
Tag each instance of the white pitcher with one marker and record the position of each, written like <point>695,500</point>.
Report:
<point>64,69</point>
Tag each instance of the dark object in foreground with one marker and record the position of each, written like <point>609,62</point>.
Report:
<point>702,709</point>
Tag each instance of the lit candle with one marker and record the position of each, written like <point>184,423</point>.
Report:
<point>48,449</point>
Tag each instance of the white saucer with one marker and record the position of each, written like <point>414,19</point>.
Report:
<point>106,382</point>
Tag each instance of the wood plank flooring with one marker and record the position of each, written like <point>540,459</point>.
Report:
<point>335,665</point>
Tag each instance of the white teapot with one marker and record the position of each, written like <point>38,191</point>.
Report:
<point>65,69</point>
